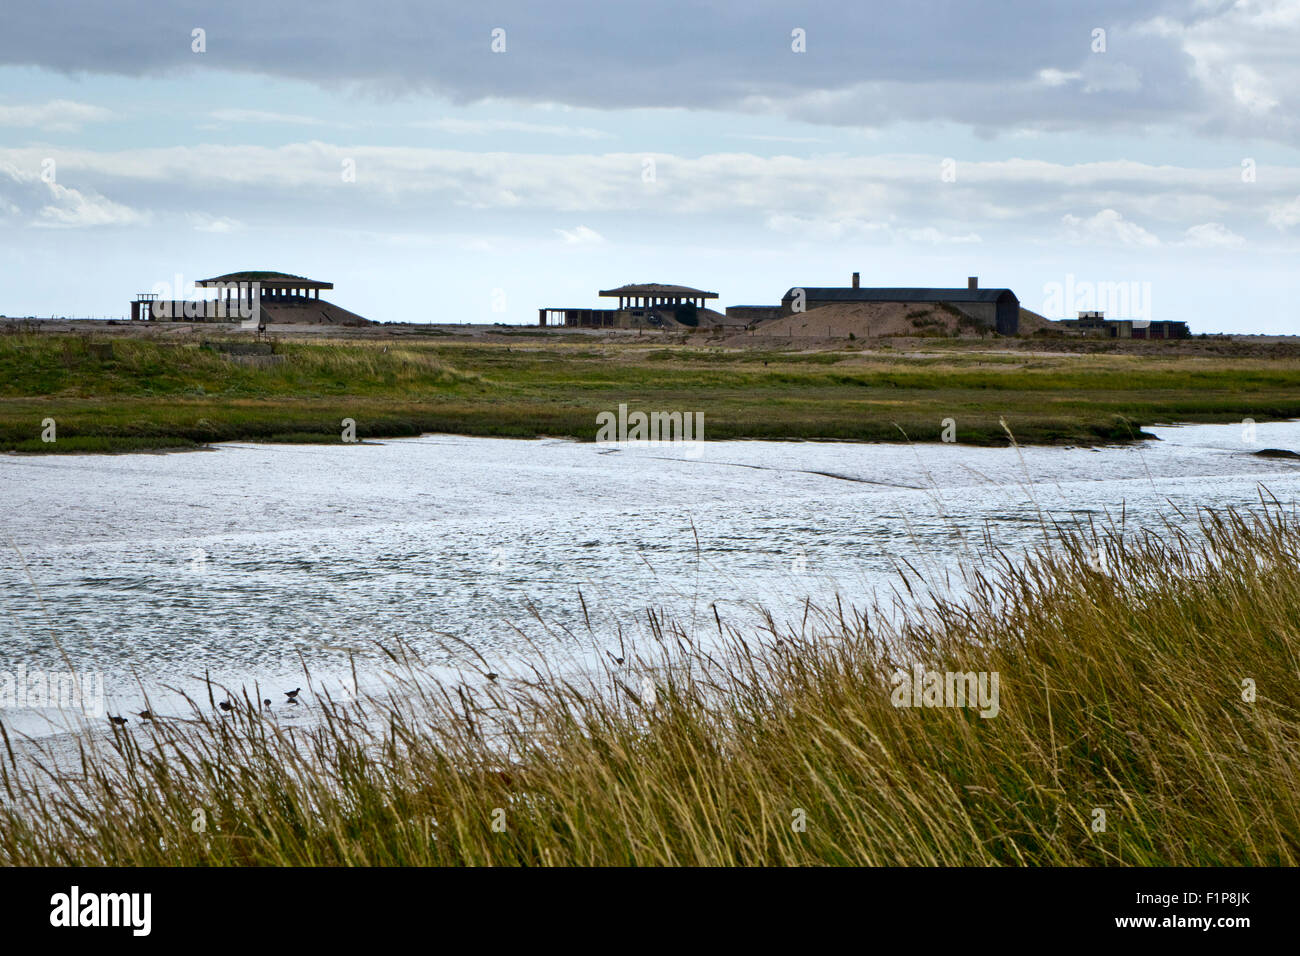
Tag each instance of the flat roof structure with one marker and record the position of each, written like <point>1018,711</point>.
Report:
<point>649,294</point>
<point>269,282</point>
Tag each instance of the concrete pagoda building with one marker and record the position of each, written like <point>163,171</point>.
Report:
<point>273,298</point>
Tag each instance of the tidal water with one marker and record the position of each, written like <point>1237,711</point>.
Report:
<point>244,562</point>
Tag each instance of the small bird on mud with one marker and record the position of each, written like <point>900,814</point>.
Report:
<point>266,702</point>
<point>226,706</point>
<point>145,714</point>
<point>490,675</point>
<point>119,719</point>
<point>293,694</point>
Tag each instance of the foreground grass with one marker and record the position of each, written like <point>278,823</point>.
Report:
<point>1121,691</point>
<point>134,393</point>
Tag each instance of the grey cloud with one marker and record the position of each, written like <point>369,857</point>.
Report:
<point>866,64</point>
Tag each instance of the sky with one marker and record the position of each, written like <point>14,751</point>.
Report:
<point>474,162</point>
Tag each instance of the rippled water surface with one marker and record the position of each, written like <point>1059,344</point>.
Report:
<point>240,559</point>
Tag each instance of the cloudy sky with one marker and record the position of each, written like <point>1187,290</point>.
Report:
<point>472,162</point>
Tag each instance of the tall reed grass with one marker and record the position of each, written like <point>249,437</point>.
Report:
<point>1127,733</point>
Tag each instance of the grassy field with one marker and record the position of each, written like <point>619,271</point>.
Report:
<point>133,392</point>
<point>1147,714</point>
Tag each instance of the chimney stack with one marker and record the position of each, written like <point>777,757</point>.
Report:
<point>973,282</point>
<point>855,280</point>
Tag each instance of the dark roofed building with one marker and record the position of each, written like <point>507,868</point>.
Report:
<point>642,305</point>
<point>650,294</point>
<point>1096,323</point>
<point>272,284</point>
<point>994,308</point>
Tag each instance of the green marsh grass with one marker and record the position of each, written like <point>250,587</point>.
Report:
<point>126,392</point>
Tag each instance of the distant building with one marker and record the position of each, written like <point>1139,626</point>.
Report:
<point>1096,323</point>
<point>995,309</point>
<point>649,304</point>
<point>750,314</point>
<point>272,298</point>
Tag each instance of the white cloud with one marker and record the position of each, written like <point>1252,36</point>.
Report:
<point>1286,215</point>
<point>1242,55</point>
<point>1108,76</point>
<point>55,116</point>
<point>51,204</point>
<point>889,198</point>
<point>834,229</point>
<point>935,237</point>
<point>71,207</point>
<point>827,229</point>
<point>465,127</point>
<point>1054,77</point>
<point>1252,90</point>
<point>761,138</point>
<point>202,222</point>
<point>1211,235</point>
<point>581,236</point>
<point>1107,227</point>
<point>241,116</point>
